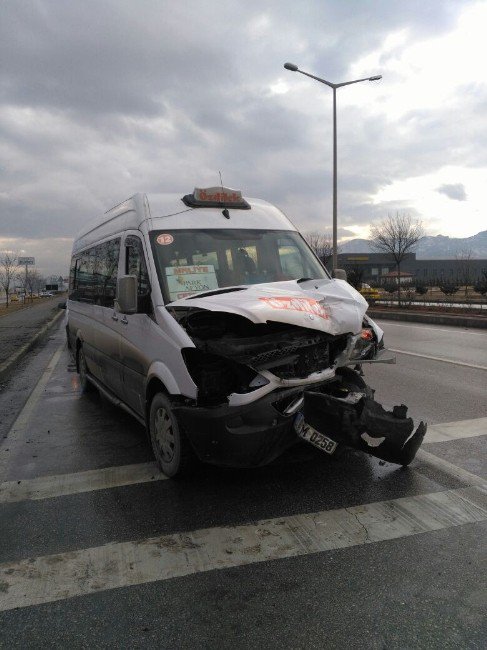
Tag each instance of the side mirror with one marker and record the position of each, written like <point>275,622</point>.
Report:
<point>62,305</point>
<point>339,274</point>
<point>127,294</point>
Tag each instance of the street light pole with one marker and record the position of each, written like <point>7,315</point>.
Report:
<point>294,68</point>
<point>335,184</point>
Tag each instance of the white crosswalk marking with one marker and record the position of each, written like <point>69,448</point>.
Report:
<point>47,487</point>
<point>65,575</point>
<point>456,430</point>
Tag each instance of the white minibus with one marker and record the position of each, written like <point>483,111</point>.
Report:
<point>208,318</point>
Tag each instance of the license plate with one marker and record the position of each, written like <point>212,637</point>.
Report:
<point>305,432</point>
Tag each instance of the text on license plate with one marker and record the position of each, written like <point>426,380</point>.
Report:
<point>317,439</point>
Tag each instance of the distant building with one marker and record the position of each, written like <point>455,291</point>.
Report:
<point>394,276</point>
<point>379,268</point>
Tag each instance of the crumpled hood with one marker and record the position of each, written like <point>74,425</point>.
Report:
<point>331,306</point>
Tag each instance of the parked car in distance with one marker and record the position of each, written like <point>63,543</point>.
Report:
<point>369,293</point>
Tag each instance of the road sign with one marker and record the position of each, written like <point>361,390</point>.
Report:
<point>26,261</point>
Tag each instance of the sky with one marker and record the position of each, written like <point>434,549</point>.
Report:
<point>104,98</point>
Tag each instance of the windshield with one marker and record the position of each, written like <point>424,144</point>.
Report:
<point>190,261</point>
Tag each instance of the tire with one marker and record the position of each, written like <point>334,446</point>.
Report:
<point>170,446</point>
<point>84,382</point>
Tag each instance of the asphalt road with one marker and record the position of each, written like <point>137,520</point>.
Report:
<point>98,549</point>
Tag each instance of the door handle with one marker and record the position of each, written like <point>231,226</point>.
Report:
<point>124,320</point>
<point>114,316</point>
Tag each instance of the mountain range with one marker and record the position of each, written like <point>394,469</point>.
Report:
<point>431,248</point>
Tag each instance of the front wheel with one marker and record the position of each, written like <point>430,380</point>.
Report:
<point>171,447</point>
<point>85,383</point>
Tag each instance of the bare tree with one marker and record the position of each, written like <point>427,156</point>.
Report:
<point>465,268</point>
<point>28,280</point>
<point>321,245</point>
<point>33,282</point>
<point>8,271</point>
<point>355,275</point>
<point>21,281</point>
<point>39,282</point>
<point>397,235</point>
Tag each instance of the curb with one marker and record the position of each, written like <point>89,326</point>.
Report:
<point>7,365</point>
<point>454,320</point>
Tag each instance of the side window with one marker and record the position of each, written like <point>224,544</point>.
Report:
<point>85,278</point>
<point>291,260</point>
<point>135,265</point>
<point>72,279</point>
<point>93,274</point>
<point>107,270</point>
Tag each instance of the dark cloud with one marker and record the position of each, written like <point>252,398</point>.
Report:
<point>99,100</point>
<point>455,191</point>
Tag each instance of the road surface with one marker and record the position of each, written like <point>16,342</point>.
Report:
<point>97,549</point>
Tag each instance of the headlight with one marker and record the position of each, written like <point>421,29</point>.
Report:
<point>365,346</point>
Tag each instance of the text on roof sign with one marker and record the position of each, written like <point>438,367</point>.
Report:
<point>217,195</point>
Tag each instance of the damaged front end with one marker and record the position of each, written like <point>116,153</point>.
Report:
<point>262,363</point>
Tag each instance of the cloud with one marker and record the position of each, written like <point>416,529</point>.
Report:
<point>102,100</point>
<point>455,191</point>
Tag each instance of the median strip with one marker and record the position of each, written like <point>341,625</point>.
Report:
<point>7,366</point>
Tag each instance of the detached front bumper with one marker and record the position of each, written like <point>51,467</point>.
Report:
<point>241,436</point>
<point>255,434</point>
<point>362,423</point>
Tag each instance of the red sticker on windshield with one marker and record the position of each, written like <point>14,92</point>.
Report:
<point>308,305</point>
<point>164,240</point>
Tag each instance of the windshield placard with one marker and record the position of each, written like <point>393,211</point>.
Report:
<point>185,281</point>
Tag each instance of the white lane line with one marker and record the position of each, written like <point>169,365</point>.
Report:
<point>427,356</point>
<point>47,487</point>
<point>430,328</point>
<point>20,423</point>
<point>456,430</point>
<point>56,577</point>
<point>445,467</point>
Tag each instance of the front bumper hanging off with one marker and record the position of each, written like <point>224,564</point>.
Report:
<point>360,422</point>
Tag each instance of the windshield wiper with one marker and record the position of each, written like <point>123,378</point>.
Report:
<point>216,292</point>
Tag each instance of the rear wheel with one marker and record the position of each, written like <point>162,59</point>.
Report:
<point>171,447</point>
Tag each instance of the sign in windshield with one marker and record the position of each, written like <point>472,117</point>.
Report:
<point>183,281</point>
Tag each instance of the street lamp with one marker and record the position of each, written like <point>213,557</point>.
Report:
<point>294,68</point>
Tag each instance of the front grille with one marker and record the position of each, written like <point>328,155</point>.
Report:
<point>302,363</point>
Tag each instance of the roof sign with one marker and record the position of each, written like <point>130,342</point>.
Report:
<point>216,197</point>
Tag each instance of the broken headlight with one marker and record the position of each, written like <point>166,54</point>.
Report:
<point>366,345</point>
<point>217,377</point>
